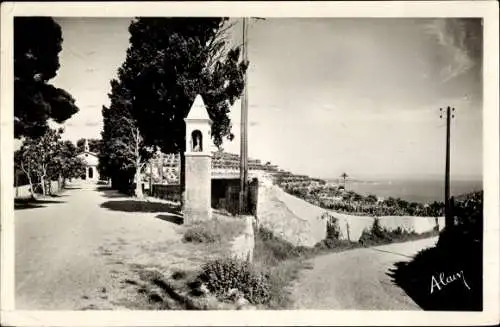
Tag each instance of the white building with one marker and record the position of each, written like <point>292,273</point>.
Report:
<point>91,161</point>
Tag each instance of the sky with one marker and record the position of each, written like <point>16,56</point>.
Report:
<point>327,95</point>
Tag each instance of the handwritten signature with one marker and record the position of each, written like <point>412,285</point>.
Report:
<point>441,280</point>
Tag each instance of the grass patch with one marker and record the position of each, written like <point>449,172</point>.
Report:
<point>271,250</point>
<point>218,229</point>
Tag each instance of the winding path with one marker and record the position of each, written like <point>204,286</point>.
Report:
<point>357,279</point>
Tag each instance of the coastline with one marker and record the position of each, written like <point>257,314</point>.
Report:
<point>413,190</point>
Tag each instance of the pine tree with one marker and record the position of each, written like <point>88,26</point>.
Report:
<point>36,60</point>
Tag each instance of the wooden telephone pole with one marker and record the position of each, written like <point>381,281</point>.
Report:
<point>449,219</point>
<point>243,130</point>
<point>243,196</point>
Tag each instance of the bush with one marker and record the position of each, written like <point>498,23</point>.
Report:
<point>379,235</point>
<point>332,226</point>
<point>199,234</point>
<point>375,235</point>
<point>222,275</point>
<point>335,244</point>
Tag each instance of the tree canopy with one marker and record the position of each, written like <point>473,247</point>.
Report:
<point>47,158</point>
<point>170,61</point>
<point>38,41</point>
<point>66,163</point>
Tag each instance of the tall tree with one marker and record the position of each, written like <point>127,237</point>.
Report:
<point>115,159</point>
<point>36,60</point>
<point>134,150</point>
<point>26,161</point>
<point>37,155</point>
<point>169,62</point>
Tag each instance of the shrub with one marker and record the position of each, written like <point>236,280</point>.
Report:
<point>335,244</point>
<point>375,235</point>
<point>222,275</point>
<point>198,234</point>
<point>332,226</point>
<point>380,235</point>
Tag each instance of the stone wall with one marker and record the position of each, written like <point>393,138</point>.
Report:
<point>24,191</point>
<point>275,214</point>
<point>300,222</point>
<point>243,245</point>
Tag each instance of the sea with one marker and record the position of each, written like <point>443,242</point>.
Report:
<point>423,190</point>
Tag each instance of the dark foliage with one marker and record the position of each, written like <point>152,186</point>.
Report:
<point>459,250</point>
<point>36,60</point>
<point>169,61</point>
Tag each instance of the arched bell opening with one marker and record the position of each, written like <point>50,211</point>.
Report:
<point>196,141</point>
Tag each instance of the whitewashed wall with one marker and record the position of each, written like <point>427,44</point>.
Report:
<point>24,191</point>
<point>300,222</point>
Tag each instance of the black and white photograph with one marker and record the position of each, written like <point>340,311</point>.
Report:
<point>222,161</point>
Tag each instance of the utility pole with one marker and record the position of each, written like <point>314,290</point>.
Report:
<point>449,220</point>
<point>243,196</point>
<point>243,129</point>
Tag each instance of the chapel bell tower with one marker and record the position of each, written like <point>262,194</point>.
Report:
<point>197,201</point>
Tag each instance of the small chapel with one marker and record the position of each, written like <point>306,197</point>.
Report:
<point>91,161</point>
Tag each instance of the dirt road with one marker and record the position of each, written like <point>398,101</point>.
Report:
<point>66,250</point>
<point>357,279</point>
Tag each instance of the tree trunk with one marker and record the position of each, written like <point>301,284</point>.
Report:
<point>138,184</point>
<point>32,191</point>
<point>59,183</point>
<point>17,182</point>
<point>42,182</point>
